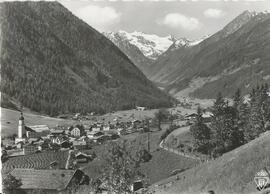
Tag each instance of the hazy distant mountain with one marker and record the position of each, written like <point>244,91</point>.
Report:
<point>236,56</point>
<point>53,62</point>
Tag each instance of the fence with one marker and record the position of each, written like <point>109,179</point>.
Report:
<point>161,145</point>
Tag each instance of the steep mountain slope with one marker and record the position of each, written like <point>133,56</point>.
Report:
<point>144,49</point>
<point>231,173</point>
<point>131,50</point>
<point>234,57</point>
<point>53,62</point>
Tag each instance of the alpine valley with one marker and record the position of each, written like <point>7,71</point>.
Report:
<point>53,67</point>
<point>237,56</point>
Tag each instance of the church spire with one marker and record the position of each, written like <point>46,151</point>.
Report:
<point>21,117</point>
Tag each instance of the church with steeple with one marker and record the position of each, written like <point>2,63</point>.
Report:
<point>21,130</point>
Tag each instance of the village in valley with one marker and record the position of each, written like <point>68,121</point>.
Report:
<point>39,150</point>
<point>98,99</point>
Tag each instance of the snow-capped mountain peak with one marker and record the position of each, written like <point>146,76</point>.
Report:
<point>241,20</point>
<point>150,45</point>
<point>184,42</point>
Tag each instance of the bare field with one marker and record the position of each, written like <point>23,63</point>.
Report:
<point>9,121</point>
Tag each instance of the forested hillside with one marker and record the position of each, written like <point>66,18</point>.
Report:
<point>235,57</point>
<point>53,62</point>
<point>231,173</point>
<point>131,50</point>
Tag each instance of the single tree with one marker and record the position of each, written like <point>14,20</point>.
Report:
<point>4,156</point>
<point>201,133</point>
<point>237,98</point>
<point>161,115</point>
<point>219,104</point>
<point>256,119</point>
<point>11,185</point>
<point>121,168</point>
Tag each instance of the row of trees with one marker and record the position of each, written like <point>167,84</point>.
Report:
<point>233,125</point>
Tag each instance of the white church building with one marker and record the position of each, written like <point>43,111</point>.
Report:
<point>21,131</point>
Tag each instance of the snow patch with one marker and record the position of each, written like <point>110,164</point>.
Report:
<point>151,45</point>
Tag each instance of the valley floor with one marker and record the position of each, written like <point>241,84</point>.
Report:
<point>161,166</point>
<point>9,121</point>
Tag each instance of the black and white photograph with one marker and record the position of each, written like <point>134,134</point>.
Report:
<point>135,96</point>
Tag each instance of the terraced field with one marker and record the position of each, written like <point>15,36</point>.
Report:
<point>37,161</point>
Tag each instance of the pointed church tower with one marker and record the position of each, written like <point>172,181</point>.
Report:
<point>21,127</point>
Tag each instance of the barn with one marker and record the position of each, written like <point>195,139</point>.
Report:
<point>48,181</point>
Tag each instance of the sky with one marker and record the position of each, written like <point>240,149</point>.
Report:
<point>190,19</point>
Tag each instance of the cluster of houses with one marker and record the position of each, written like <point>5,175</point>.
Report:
<point>73,139</point>
<point>31,139</point>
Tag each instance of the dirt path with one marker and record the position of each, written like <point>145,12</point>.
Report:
<point>177,132</point>
<point>161,145</point>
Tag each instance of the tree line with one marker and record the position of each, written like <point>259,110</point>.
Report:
<point>233,124</point>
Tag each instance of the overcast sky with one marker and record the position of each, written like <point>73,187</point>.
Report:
<point>182,19</point>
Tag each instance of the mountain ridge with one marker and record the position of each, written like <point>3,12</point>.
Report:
<point>47,68</point>
<point>220,59</point>
<point>144,49</point>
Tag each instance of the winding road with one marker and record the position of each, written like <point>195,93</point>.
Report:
<point>177,132</point>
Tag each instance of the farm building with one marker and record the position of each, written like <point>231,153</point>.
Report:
<point>39,128</point>
<point>191,116</point>
<point>93,134</point>
<point>140,108</point>
<point>48,181</point>
<point>20,144</point>
<point>106,127</point>
<point>96,128</point>
<point>76,132</point>
<point>82,157</point>
<point>65,144</point>
<point>102,138</point>
<point>56,139</point>
<point>32,134</point>
<point>57,132</point>
<point>113,136</point>
<point>207,116</point>
<point>79,145</point>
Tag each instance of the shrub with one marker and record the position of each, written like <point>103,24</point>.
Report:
<point>168,131</point>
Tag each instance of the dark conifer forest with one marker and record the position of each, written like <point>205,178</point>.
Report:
<point>52,62</point>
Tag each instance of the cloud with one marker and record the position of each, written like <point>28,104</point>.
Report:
<point>98,17</point>
<point>213,13</point>
<point>176,20</point>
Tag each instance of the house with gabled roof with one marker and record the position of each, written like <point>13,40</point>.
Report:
<point>53,181</point>
<point>76,132</point>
